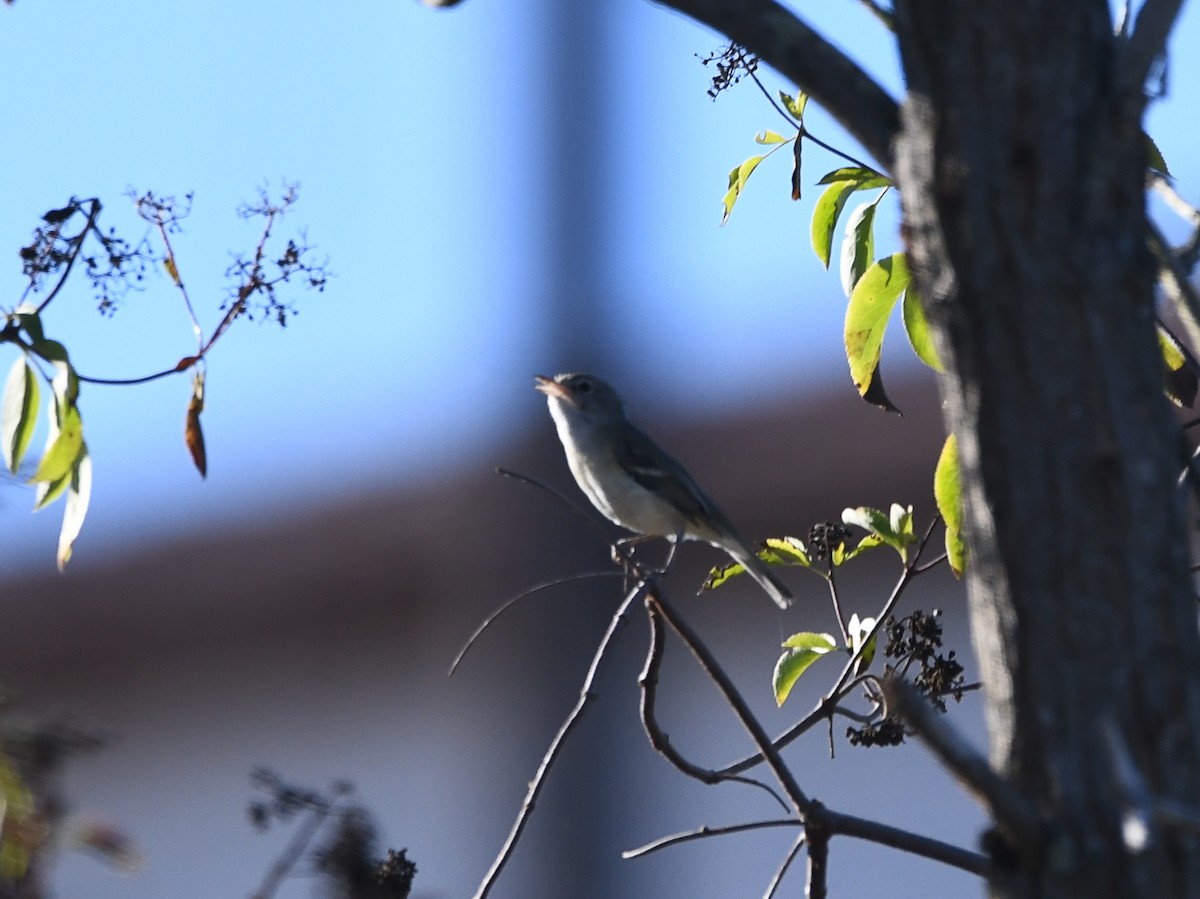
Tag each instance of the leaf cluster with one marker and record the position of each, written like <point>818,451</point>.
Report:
<point>114,265</point>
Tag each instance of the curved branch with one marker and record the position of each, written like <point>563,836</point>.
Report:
<point>781,39</point>
<point>659,741</point>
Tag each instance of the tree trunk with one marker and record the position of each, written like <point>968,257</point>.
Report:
<point>1021,164</point>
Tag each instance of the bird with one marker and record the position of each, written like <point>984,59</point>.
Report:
<point>633,482</point>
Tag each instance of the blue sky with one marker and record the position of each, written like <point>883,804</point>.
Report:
<point>419,141</point>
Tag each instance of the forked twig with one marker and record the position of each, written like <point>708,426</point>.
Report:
<point>659,741</point>
<point>552,752</point>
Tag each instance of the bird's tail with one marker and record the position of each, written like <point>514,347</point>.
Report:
<point>761,572</point>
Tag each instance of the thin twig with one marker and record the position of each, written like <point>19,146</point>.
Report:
<point>777,36</point>
<point>782,870</point>
<point>837,603</point>
<point>509,603</point>
<point>701,833</point>
<point>552,752</point>
<point>617,547</point>
<point>77,247</point>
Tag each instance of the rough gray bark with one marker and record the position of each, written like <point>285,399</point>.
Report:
<point>1020,162</point>
<point>1022,170</point>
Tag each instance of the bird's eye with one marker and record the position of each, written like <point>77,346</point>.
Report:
<point>584,386</point>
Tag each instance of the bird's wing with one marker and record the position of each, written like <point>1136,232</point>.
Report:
<point>651,467</point>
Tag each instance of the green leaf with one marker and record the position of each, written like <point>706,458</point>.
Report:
<point>825,216</point>
<point>769,137</point>
<point>794,105</point>
<point>1179,378</point>
<point>894,529</point>
<point>858,629</point>
<point>800,651</point>
<point>50,350</point>
<point>843,553</point>
<point>19,415</point>
<point>867,518</point>
<point>784,551</point>
<point>64,450</point>
<point>858,177</point>
<point>867,314</point>
<point>79,495</point>
<point>29,319</point>
<point>947,492</point>
<point>916,326</point>
<point>858,244</point>
<point>1154,157</point>
<point>737,181</point>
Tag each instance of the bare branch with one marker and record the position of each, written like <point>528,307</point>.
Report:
<point>906,841</point>
<point>813,814</point>
<point>817,838</point>
<point>551,756</point>
<point>1153,25</point>
<point>701,833</point>
<point>777,880</point>
<point>659,741</point>
<point>1011,810</point>
<point>778,37</point>
<point>509,603</point>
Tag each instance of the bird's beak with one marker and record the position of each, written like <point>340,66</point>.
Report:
<point>551,387</point>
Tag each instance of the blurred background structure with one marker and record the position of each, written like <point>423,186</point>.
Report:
<point>502,189</point>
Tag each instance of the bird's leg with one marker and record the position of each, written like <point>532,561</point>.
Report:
<point>627,543</point>
<point>675,541</point>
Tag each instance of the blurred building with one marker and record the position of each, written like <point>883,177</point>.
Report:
<point>319,644</point>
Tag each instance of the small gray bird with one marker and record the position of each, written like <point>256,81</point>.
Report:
<point>635,483</point>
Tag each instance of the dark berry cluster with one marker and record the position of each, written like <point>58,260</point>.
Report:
<point>395,874</point>
<point>826,536</point>
<point>913,642</point>
<point>733,64</point>
<point>888,732</point>
<point>917,640</point>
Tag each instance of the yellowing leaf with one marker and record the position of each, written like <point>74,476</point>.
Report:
<point>769,137</point>
<point>169,265</point>
<point>794,105</point>
<point>737,182</point>
<point>79,495</point>
<point>64,451</point>
<point>916,326</point>
<point>947,492</point>
<point>825,216</point>
<point>19,412</point>
<point>867,314</point>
